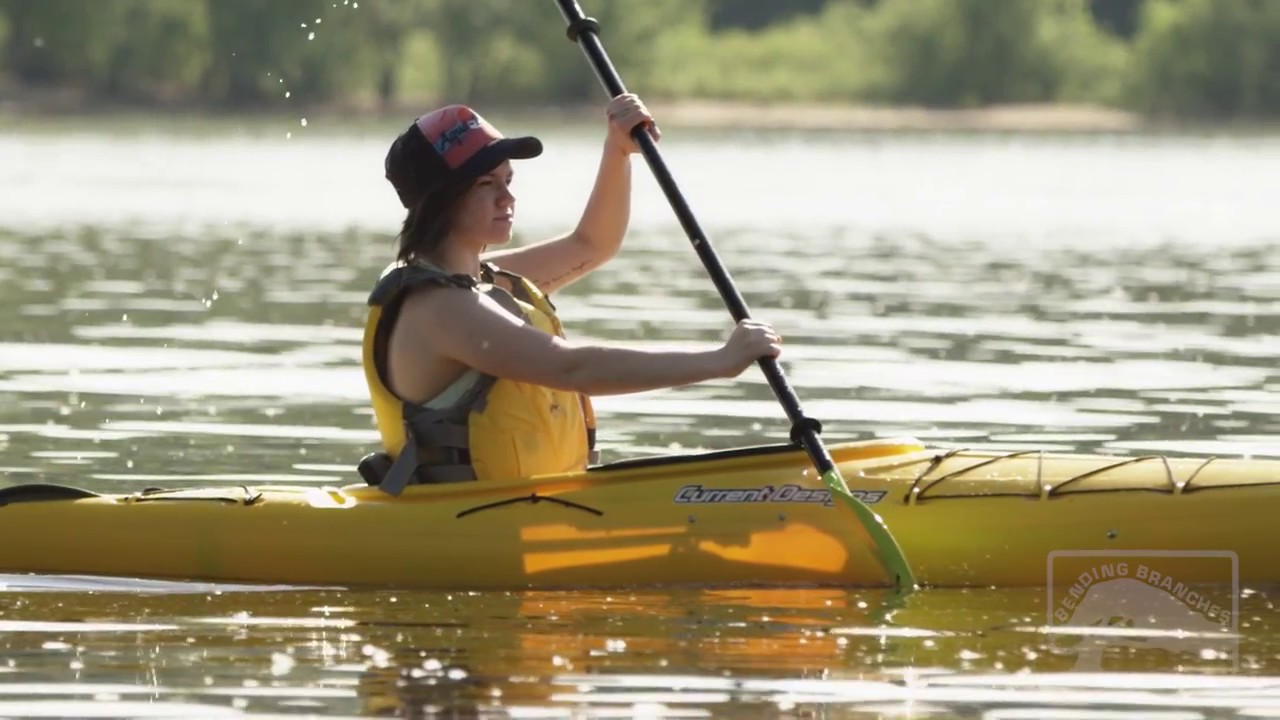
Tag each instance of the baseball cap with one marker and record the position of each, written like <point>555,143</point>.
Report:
<point>451,143</point>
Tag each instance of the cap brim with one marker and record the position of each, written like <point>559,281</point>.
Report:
<point>493,154</point>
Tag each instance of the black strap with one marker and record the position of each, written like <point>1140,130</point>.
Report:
<point>446,473</point>
<point>444,435</point>
<point>803,425</point>
<point>581,25</point>
<point>406,277</point>
<point>519,284</point>
<point>402,470</point>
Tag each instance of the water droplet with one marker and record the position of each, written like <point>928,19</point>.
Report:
<point>311,36</point>
<point>304,122</point>
<point>281,664</point>
<point>287,136</point>
<point>287,93</point>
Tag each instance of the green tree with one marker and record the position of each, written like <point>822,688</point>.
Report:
<point>165,52</point>
<point>1204,58</point>
<point>963,53</point>
<point>517,52</point>
<point>632,33</point>
<point>809,58</point>
<point>389,27</point>
<point>758,14</point>
<point>960,52</point>
<point>65,42</point>
<point>1087,63</point>
<point>482,46</point>
<point>4,39</point>
<point>1119,17</point>
<point>263,49</point>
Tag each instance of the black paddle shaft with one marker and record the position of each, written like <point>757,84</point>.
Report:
<point>804,430</point>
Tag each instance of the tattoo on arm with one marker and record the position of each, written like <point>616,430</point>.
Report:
<point>570,274</point>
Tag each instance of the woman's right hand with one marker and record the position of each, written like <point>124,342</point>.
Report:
<point>750,341</point>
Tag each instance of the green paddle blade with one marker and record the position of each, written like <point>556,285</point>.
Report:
<point>885,547</point>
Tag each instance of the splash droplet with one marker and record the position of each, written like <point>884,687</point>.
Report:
<point>304,122</point>
<point>287,93</point>
<point>311,36</point>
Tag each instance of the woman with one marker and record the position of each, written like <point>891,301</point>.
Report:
<point>468,368</point>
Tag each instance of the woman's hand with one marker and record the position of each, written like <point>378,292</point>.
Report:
<point>625,112</point>
<point>750,341</point>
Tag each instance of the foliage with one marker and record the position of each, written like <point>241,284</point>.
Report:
<point>816,58</point>
<point>1208,58</point>
<point>1198,58</point>
<point>975,52</point>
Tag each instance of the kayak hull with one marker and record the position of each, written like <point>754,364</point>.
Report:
<point>753,516</point>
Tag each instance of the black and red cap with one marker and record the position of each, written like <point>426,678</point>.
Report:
<point>449,144</point>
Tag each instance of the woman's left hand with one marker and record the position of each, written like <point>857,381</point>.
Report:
<point>625,112</point>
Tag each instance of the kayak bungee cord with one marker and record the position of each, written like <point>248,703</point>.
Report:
<point>584,31</point>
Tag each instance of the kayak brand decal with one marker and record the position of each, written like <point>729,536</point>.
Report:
<point>789,493</point>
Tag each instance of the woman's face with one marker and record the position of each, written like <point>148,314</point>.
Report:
<point>486,212</point>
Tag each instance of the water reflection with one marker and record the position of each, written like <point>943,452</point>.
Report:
<point>727,653</point>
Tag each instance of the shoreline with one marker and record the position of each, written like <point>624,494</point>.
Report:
<point>41,108</point>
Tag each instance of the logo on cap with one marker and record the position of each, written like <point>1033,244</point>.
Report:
<point>454,135</point>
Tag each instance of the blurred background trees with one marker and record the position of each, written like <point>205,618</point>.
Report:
<point>1213,59</point>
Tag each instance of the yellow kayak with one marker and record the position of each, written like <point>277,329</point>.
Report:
<point>752,516</point>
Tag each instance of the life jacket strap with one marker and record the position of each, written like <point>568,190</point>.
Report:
<point>519,285</point>
<point>593,454</point>
<point>435,474</point>
<point>402,470</point>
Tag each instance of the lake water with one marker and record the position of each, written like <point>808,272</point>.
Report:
<point>182,304</point>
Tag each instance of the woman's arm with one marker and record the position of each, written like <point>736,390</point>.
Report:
<point>553,264</point>
<point>474,330</point>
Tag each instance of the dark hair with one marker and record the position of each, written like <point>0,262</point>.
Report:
<point>429,220</point>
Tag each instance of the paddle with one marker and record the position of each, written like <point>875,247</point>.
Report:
<point>804,430</point>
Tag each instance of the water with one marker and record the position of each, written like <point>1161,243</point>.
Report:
<point>183,306</point>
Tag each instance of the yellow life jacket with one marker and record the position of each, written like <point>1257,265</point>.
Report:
<point>498,428</point>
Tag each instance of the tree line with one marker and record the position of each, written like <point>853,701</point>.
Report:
<point>1217,59</point>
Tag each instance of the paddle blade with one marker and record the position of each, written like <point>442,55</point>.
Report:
<point>883,544</point>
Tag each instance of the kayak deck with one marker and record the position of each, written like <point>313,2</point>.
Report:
<point>749,516</point>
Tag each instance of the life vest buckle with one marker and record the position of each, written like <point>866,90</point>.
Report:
<point>374,467</point>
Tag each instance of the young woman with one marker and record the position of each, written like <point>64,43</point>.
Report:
<point>468,368</point>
